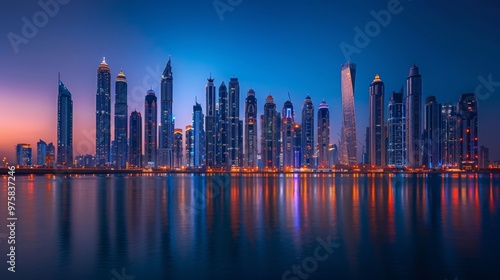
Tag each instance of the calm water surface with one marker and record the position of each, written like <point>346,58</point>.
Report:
<point>255,227</point>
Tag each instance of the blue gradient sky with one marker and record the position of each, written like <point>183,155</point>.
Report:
<point>272,46</point>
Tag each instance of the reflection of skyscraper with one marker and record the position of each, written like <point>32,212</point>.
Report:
<point>432,135</point>
<point>210,124</point>
<point>308,132</point>
<point>468,132</point>
<point>251,120</point>
<point>65,126</point>
<point>165,149</point>
<point>222,126</point>
<point>413,118</point>
<point>450,135</point>
<point>150,129</point>
<point>287,137</point>
<point>233,122</point>
<point>198,136</point>
<point>135,141</point>
<point>377,123</point>
<point>270,135</point>
<point>189,146</point>
<point>396,124</point>
<point>178,148</point>
<point>323,135</point>
<point>103,115</point>
<point>121,114</point>
<point>348,142</point>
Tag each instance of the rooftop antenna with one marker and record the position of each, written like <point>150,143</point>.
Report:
<point>289,99</point>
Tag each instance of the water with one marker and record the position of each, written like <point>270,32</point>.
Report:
<point>255,227</point>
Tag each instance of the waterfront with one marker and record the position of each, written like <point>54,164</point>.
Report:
<point>200,226</point>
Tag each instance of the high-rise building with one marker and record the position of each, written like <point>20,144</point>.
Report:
<point>432,136</point>
<point>484,157</point>
<point>450,135</point>
<point>233,123</point>
<point>348,146</point>
<point>189,146</point>
<point>121,119</point>
<point>135,141</point>
<point>23,155</point>
<point>297,146</point>
<point>198,136</point>
<point>323,135</point>
<point>468,132</point>
<point>210,124</point>
<point>287,136</point>
<point>397,126</point>
<point>50,156</point>
<point>414,118</point>
<point>222,128</point>
<point>41,153</point>
<point>166,145</point>
<point>64,126</point>
<point>334,154</point>
<point>150,129</point>
<point>103,115</point>
<point>366,147</point>
<point>308,126</point>
<point>377,123</point>
<point>178,148</point>
<point>251,120</point>
<point>270,135</point>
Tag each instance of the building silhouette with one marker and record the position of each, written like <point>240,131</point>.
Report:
<point>64,126</point>
<point>233,147</point>
<point>396,123</point>
<point>484,157</point>
<point>103,115</point>
<point>150,130</point>
<point>178,148</point>
<point>189,146</point>
<point>166,145</point>
<point>210,124</point>
<point>24,155</point>
<point>323,135</point>
<point>251,120</point>
<point>287,134</point>
<point>376,143</point>
<point>450,135</point>
<point>222,128</point>
<point>308,128</point>
<point>468,132</point>
<point>413,118</point>
<point>198,136</point>
<point>270,135</point>
<point>121,121</point>
<point>297,146</point>
<point>348,145</point>
<point>432,135</point>
<point>41,153</point>
<point>135,140</point>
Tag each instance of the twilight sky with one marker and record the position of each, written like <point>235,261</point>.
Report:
<point>272,46</point>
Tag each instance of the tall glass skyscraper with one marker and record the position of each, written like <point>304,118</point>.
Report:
<point>198,136</point>
<point>377,123</point>
<point>135,142</point>
<point>189,146</point>
<point>413,118</point>
<point>41,152</point>
<point>348,145</point>
<point>24,155</point>
<point>210,124</point>
<point>308,127</point>
<point>323,135</point>
<point>287,136</point>
<point>178,148</point>
<point>468,132</point>
<point>432,136</point>
<point>64,126</point>
<point>270,135</point>
<point>251,121</point>
<point>121,118</point>
<point>297,146</point>
<point>103,115</point>
<point>397,127</point>
<point>166,144</point>
<point>222,128</point>
<point>233,123</point>
<point>450,128</point>
<point>150,129</point>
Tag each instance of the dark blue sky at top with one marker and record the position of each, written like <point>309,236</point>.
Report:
<point>272,46</point>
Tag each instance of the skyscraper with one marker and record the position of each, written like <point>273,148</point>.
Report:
<point>484,157</point>
<point>270,135</point>
<point>210,124</point>
<point>432,136</point>
<point>41,152</point>
<point>189,146</point>
<point>50,156</point>
<point>166,145</point>
<point>64,126</point>
<point>287,137</point>
<point>450,135</point>
<point>150,129</point>
<point>413,118</point>
<point>233,123</point>
<point>323,135</point>
<point>121,117</point>
<point>348,146</point>
<point>178,148</point>
<point>468,132</point>
<point>297,146</point>
<point>397,127</point>
<point>24,155</point>
<point>251,120</point>
<point>103,115</point>
<point>377,123</point>
<point>334,154</point>
<point>135,142</point>
<point>198,136</point>
<point>222,127</point>
<point>308,127</point>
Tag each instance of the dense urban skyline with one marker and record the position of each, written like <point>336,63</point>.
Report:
<point>462,58</point>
